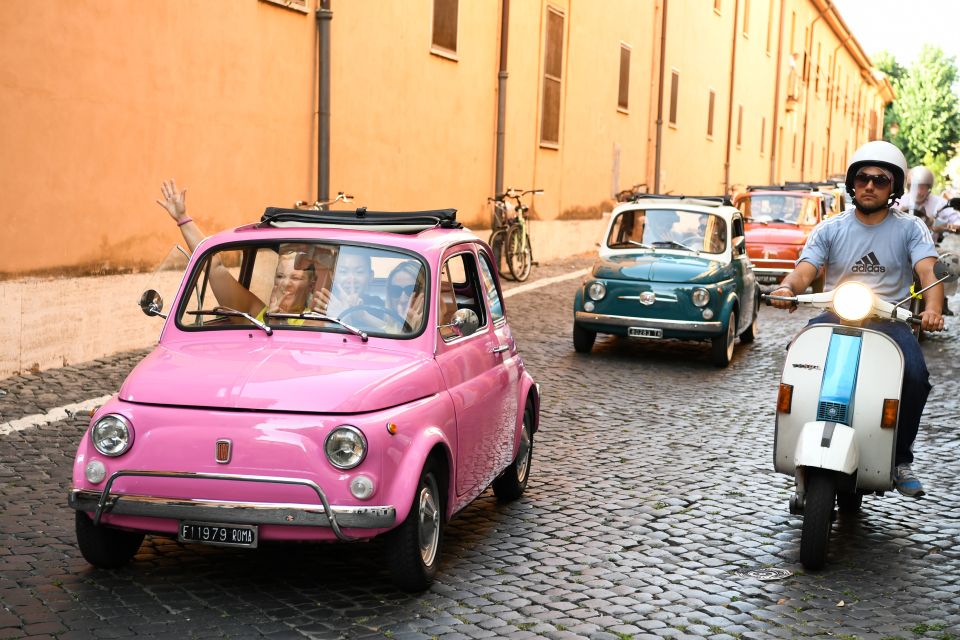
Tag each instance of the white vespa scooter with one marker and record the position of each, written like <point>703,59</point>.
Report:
<point>837,410</point>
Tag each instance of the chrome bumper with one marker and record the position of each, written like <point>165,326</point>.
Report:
<point>628,321</point>
<point>304,515</point>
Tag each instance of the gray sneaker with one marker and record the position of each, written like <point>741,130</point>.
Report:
<point>907,483</point>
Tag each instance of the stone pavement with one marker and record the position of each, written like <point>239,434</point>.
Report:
<point>652,488</point>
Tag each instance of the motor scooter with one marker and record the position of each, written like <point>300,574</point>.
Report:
<point>837,410</point>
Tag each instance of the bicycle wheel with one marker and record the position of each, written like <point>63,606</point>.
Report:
<point>519,255</point>
<point>497,241</point>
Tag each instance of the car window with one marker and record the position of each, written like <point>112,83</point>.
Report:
<point>668,229</point>
<point>738,232</point>
<point>459,289</point>
<point>494,301</point>
<point>377,290</point>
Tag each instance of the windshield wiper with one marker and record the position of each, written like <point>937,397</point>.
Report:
<point>674,243</point>
<point>796,224</point>
<point>640,244</point>
<point>227,311</point>
<point>313,315</point>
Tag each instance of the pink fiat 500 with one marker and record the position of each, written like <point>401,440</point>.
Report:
<point>377,392</point>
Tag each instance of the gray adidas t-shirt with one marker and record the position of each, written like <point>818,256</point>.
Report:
<point>880,255</point>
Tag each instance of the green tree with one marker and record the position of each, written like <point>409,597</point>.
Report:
<point>926,108</point>
<point>884,61</point>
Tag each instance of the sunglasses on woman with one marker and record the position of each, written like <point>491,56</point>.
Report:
<point>862,179</point>
<point>396,290</point>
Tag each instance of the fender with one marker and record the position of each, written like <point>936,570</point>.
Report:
<point>408,465</point>
<point>731,303</point>
<point>530,393</point>
<point>827,445</point>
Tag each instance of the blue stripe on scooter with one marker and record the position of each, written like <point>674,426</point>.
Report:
<point>840,375</point>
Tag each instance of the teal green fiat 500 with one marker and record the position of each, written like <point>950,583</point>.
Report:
<point>671,267</point>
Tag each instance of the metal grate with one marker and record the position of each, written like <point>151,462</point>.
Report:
<point>833,412</point>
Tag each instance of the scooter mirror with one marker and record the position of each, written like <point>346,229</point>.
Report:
<point>954,203</point>
<point>944,272</point>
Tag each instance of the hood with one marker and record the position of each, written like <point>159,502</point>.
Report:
<point>281,377</point>
<point>774,233</point>
<point>663,267</point>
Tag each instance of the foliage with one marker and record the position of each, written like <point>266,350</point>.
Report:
<point>925,108</point>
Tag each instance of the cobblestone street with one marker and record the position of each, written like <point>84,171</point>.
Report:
<point>652,493</point>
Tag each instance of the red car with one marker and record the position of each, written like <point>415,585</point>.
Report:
<point>777,225</point>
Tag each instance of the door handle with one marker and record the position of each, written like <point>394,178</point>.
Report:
<point>500,349</point>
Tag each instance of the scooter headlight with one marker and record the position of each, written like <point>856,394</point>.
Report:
<point>853,301</point>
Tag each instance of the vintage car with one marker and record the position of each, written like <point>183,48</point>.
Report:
<point>383,414</point>
<point>671,267</point>
<point>778,223</point>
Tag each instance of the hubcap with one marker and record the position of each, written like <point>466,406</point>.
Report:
<point>523,455</point>
<point>429,522</point>
<point>731,332</point>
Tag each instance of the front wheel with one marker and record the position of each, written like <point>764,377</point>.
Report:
<point>105,547</point>
<point>722,345</point>
<point>750,334</point>
<point>413,548</point>
<point>817,516</point>
<point>519,253</point>
<point>583,339</point>
<point>511,484</point>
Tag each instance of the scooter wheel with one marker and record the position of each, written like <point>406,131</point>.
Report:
<point>817,517</point>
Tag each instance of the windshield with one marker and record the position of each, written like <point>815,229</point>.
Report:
<point>791,208</point>
<point>668,229</point>
<point>310,286</point>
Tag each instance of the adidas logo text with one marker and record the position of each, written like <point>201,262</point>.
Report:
<point>868,264</point>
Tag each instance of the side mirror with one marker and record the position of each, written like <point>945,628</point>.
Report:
<point>465,321</point>
<point>740,243</point>
<point>151,303</point>
<point>946,271</point>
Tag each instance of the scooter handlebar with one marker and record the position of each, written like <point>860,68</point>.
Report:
<point>766,297</point>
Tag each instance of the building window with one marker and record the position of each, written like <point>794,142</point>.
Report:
<point>739,126</point>
<point>763,133</point>
<point>296,5</point>
<point>746,18</point>
<point>770,27</point>
<point>793,157</point>
<point>716,6</point>
<point>445,14</point>
<point>623,96</point>
<point>793,31</point>
<point>674,95</point>
<point>552,76</point>
<point>713,99</point>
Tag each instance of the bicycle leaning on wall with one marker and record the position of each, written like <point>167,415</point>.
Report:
<point>510,238</point>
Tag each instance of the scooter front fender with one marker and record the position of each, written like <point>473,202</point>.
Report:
<point>827,445</point>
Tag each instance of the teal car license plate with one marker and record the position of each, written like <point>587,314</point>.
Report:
<point>226,535</point>
<point>644,332</point>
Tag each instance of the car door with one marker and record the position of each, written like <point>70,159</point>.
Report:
<point>746,280</point>
<point>471,368</point>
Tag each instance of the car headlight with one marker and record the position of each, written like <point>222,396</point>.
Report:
<point>853,301</point>
<point>345,447</point>
<point>596,290</point>
<point>112,435</point>
<point>700,297</point>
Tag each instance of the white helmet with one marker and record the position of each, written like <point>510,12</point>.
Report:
<point>879,153</point>
<point>920,175</point>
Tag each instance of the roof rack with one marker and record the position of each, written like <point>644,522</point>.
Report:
<point>705,201</point>
<point>402,221</point>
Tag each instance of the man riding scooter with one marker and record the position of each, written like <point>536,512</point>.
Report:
<point>881,247</point>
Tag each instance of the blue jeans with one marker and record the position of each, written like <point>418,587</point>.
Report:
<point>916,380</point>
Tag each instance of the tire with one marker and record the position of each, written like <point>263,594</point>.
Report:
<point>817,517</point>
<point>413,548</point>
<point>583,339</point>
<point>519,254</point>
<point>498,240</point>
<point>849,502</point>
<point>511,484</point>
<point>751,333</point>
<point>722,346</point>
<point>105,547</point>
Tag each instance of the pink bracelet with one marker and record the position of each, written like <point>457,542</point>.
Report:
<point>184,221</point>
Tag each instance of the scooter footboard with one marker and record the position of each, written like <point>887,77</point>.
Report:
<point>827,445</point>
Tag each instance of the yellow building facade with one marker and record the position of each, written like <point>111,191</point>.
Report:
<point>429,103</point>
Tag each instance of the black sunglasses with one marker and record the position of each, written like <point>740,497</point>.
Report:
<point>880,181</point>
<point>396,290</point>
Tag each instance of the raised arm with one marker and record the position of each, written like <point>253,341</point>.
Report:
<point>227,290</point>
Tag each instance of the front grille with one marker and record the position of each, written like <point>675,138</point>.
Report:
<point>833,412</point>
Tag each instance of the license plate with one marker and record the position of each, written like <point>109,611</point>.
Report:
<point>226,535</point>
<point>644,332</point>
<point>768,279</point>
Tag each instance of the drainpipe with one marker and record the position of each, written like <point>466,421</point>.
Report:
<point>663,51</point>
<point>733,67</point>
<point>831,94</point>
<point>324,16</point>
<point>808,64</point>
<point>502,95</point>
<point>776,101</point>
